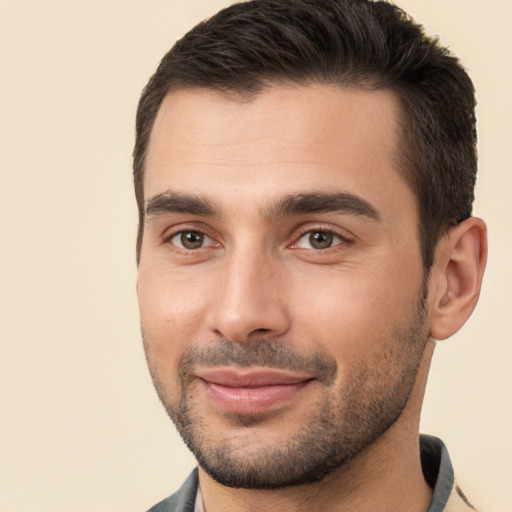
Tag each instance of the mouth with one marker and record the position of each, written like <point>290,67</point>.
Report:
<point>250,392</point>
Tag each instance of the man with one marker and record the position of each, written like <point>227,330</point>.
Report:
<point>304,172</point>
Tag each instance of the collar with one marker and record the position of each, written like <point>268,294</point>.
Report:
<point>438,472</point>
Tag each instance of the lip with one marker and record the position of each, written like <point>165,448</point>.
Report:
<point>250,392</point>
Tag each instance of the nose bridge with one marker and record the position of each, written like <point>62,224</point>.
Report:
<point>249,301</point>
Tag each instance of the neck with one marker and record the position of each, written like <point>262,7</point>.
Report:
<point>386,476</point>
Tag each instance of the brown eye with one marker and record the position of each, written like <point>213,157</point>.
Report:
<point>192,240</point>
<point>319,240</point>
<point>189,240</point>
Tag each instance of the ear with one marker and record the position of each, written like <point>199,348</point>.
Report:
<point>456,277</point>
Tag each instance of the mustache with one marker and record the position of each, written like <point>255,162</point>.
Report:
<point>260,353</point>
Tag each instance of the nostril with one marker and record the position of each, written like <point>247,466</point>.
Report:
<point>260,331</point>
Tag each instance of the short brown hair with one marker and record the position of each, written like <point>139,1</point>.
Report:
<point>370,44</point>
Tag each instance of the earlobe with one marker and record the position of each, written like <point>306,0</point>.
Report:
<point>457,272</point>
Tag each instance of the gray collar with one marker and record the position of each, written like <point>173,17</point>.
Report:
<point>437,470</point>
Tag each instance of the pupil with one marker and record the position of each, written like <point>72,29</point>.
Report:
<point>192,240</point>
<point>321,240</point>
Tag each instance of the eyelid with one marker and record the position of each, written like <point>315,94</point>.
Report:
<point>171,230</point>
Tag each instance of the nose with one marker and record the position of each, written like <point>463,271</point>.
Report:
<point>250,300</point>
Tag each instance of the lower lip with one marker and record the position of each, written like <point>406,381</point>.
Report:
<point>251,400</point>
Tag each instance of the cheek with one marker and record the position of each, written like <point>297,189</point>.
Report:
<point>170,312</point>
<point>354,316</point>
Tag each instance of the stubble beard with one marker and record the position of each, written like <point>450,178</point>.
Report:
<point>342,425</point>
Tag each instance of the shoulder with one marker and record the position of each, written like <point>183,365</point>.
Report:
<point>182,500</point>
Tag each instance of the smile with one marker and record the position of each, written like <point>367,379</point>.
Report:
<point>251,392</point>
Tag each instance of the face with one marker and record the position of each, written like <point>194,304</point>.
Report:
<point>280,282</point>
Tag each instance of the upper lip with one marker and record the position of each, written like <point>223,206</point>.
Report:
<point>249,378</point>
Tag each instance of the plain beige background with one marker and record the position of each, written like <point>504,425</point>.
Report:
<point>81,428</point>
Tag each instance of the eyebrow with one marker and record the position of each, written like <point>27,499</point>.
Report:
<point>174,202</point>
<point>321,202</point>
<point>293,204</point>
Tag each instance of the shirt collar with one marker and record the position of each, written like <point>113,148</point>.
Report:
<point>437,470</point>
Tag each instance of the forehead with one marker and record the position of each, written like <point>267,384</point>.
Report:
<point>284,140</point>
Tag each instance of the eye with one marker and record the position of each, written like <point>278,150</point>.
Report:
<point>191,240</point>
<point>318,240</point>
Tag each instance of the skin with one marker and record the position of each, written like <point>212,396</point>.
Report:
<point>256,278</point>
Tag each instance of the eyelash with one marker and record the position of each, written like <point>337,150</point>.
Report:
<point>344,240</point>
